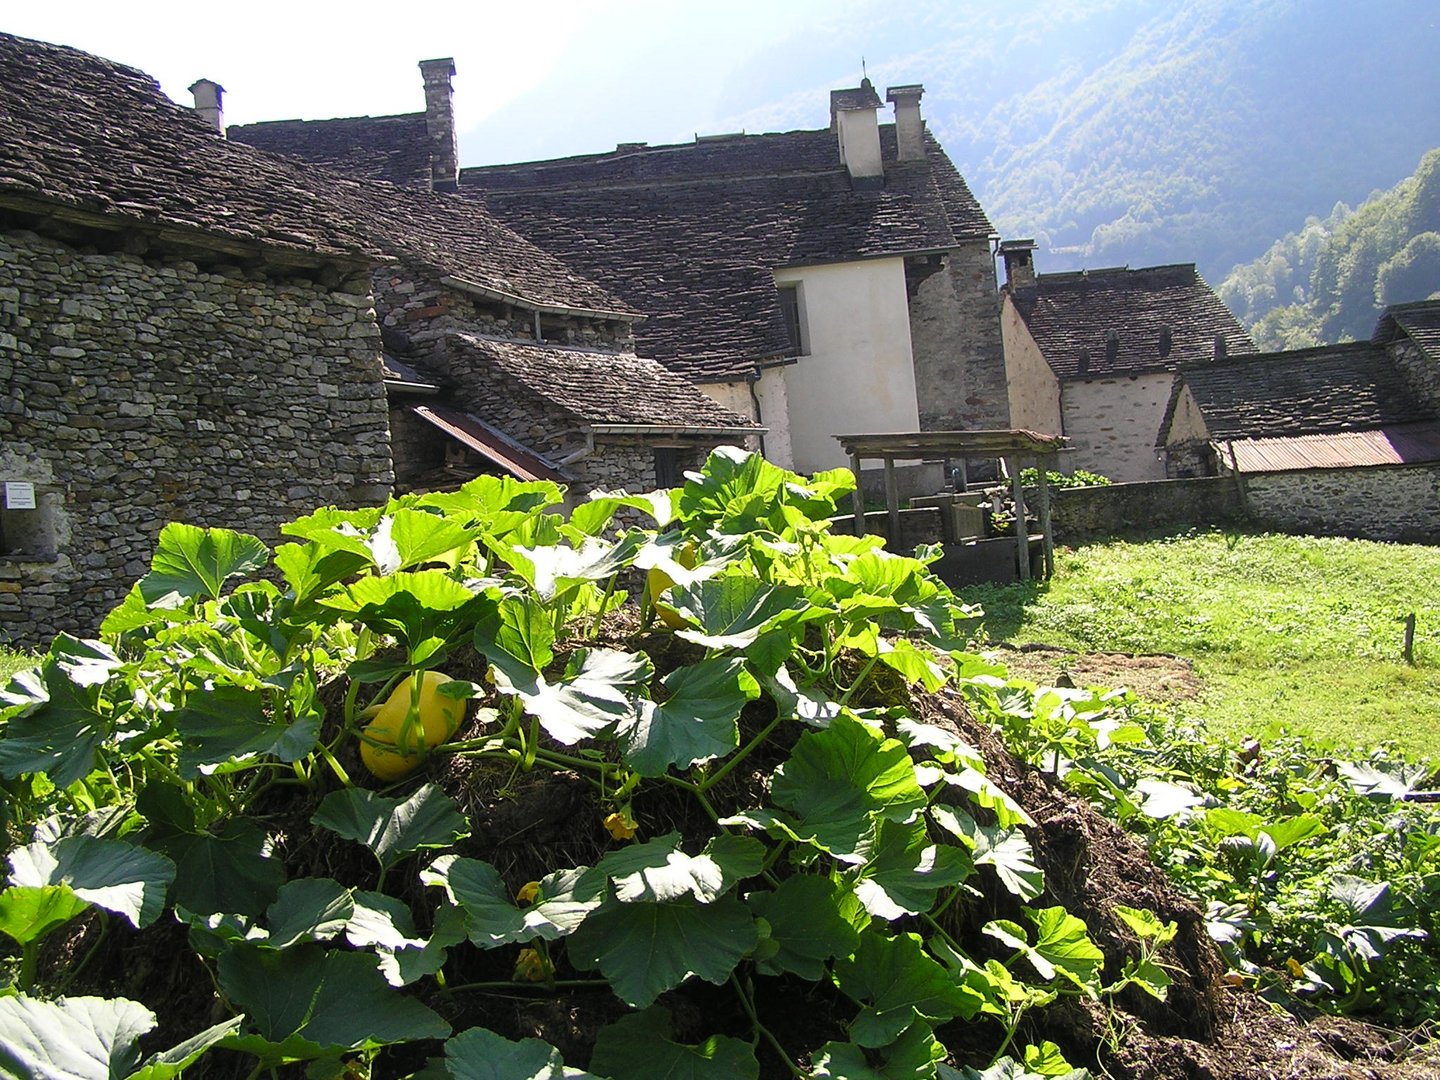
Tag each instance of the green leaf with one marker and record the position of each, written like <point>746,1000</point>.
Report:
<point>916,665</point>
<point>903,872</point>
<point>308,909</point>
<point>1145,924</point>
<point>53,727</point>
<point>643,1047</point>
<point>492,918</point>
<point>910,1057</point>
<point>84,663</point>
<point>600,687</point>
<point>1161,799</point>
<point>113,874</point>
<point>1005,1069</point>
<point>698,721</point>
<point>553,571</point>
<point>195,563</point>
<point>393,828</point>
<point>29,912</point>
<point>312,571</point>
<point>734,610</point>
<point>645,949</point>
<point>425,609</point>
<point>1005,850</point>
<point>838,778</point>
<point>658,871</point>
<point>385,924</point>
<point>478,1054</point>
<point>516,636</point>
<point>228,724</point>
<point>659,505</point>
<point>171,1063</point>
<point>899,983</point>
<point>812,919</point>
<point>230,870</point>
<point>1063,946</point>
<point>79,1038</point>
<point>305,1002</point>
<point>1047,1060</point>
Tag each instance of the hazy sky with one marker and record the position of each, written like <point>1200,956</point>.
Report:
<point>540,79</point>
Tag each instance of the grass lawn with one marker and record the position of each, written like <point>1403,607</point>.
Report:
<point>11,662</point>
<point>1296,631</point>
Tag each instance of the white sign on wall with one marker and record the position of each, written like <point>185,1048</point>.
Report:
<point>19,495</point>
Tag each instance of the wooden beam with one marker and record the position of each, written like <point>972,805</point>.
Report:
<point>1022,531</point>
<point>892,502</point>
<point>1047,540</point>
<point>858,496</point>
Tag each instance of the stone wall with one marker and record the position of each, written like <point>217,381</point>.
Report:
<point>1085,513</point>
<point>955,339</point>
<point>137,391</point>
<point>1398,502</point>
<point>1422,373</point>
<point>1113,423</point>
<point>417,309</point>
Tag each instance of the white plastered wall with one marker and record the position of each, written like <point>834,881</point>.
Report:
<point>858,374</point>
<point>774,412</point>
<point>1187,423</point>
<point>1112,425</point>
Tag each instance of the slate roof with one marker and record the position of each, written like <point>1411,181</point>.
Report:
<point>602,387</point>
<point>1072,316</point>
<point>1333,388</point>
<point>101,144</point>
<point>395,149</point>
<point>692,233</point>
<point>1420,321</point>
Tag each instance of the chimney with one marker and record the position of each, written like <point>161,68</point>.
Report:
<point>440,123</point>
<point>909,130</point>
<point>852,117</point>
<point>209,96</point>
<point>1019,256</point>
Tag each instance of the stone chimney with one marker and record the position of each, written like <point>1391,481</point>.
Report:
<point>209,97</point>
<point>440,123</point>
<point>852,117</point>
<point>1019,256</point>
<point>909,130</point>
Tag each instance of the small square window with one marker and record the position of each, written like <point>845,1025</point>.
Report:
<point>667,467</point>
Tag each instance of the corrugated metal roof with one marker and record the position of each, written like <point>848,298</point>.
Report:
<point>517,460</point>
<point>1410,444</point>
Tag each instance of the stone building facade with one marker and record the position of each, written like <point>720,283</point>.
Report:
<point>141,391</point>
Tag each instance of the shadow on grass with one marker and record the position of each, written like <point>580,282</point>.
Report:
<point>1004,605</point>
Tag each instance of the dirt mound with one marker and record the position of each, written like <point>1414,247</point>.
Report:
<point>1159,677</point>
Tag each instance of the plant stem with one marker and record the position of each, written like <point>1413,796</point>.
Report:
<point>761,1029</point>
<point>336,767</point>
<point>604,602</point>
<point>724,770</point>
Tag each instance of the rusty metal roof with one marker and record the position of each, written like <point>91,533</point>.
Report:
<point>1407,444</point>
<point>494,446</point>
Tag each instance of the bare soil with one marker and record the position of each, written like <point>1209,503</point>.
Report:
<point>1158,678</point>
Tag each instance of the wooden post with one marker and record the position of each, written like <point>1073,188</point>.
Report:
<point>892,502</point>
<point>858,497</point>
<point>1022,531</point>
<point>1409,622</point>
<point>1047,541</point>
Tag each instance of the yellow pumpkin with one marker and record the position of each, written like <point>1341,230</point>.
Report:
<point>657,581</point>
<point>392,745</point>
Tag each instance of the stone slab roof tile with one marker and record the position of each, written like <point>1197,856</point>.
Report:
<point>692,234</point>
<point>82,132</point>
<point>395,149</point>
<point>1072,317</point>
<point>1333,388</point>
<point>602,387</point>
<point>1420,321</point>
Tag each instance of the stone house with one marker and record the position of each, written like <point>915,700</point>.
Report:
<point>1093,354</point>
<point>814,282</point>
<point>1338,439</point>
<point>186,333</point>
<point>194,330</point>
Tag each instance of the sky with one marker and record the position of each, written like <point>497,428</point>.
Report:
<point>542,79</point>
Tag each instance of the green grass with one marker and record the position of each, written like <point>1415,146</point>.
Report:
<point>11,662</point>
<point>1296,631</point>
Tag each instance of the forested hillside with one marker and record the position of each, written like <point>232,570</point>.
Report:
<point>1147,132</point>
<point>1329,281</point>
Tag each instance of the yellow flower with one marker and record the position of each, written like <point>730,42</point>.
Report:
<point>620,825</point>
<point>533,966</point>
<point>528,892</point>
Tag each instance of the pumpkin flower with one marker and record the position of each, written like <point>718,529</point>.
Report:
<point>620,825</point>
<point>528,893</point>
<point>533,966</point>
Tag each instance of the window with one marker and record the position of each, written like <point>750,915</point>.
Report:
<point>27,527</point>
<point>667,467</point>
<point>794,327</point>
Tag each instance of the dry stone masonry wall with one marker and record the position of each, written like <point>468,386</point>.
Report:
<point>136,391</point>
<point>1387,503</point>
